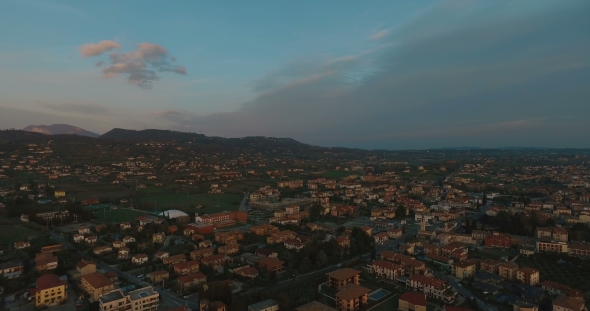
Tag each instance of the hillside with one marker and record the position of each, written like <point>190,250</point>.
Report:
<point>59,129</point>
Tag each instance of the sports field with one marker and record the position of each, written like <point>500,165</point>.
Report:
<point>212,203</point>
<point>16,233</point>
<point>119,215</point>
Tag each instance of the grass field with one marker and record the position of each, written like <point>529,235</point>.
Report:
<point>118,215</point>
<point>16,233</point>
<point>497,253</point>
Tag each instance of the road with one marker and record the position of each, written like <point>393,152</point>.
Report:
<point>243,203</point>
<point>463,291</point>
<point>192,302</point>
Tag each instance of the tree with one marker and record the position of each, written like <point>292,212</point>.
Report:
<point>484,199</point>
<point>321,259</point>
<point>373,252</point>
<point>305,265</point>
<point>400,212</point>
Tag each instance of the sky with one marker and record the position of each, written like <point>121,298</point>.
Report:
<point>392,74</point>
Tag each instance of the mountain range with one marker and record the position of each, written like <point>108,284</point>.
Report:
<point>59,129</point>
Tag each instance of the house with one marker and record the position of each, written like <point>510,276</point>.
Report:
<point>158,237</point>
<point>191,280</point>
<point>381,237</point>
<point>146,299</point>
<point>118,244</point>
<point>555,288</point>
<point>246,272</point>
<point>294,244</point>
<point>412,301</point>
<point>463,269</point>
<point>385,269</point>
<point>431,287</point>
<point>85,267</point>
<point>95,284</point>
<point>139,259</point>
<point>552,233</point>
<point>579,250</point>
<point>314,306</point>
<point>129,239</point>
<point>174,259</point>
<point>188,231</point>
<point>508,270</point>
<point>50,291</point>
<point>489,265</point>
<point>264,252</point>
<point>271,264</point>
<point>123,253</point>
<point>78,238</point>
<point>564,303</point>
<point>187,267</point>
<point>59,193</point>
<point>45,261</point>
<point>91,239</point>
<point>11,269</point>
<point>84,230</point>
<point>161,255</point>
<point>198,254</point>
<point>159,276</point>
<point>102,249</point>
<point>217,306</point>
<point>487,277</point>
<point>394,233</point>
<point>214,261</point>
<point>265,305</point>
<point>341,277</point>
<point>22,245</point>
<point>343,241</point>
<point>125,226</point>
<point>352,297</point>
<point>228,249</point>
<point>528,275</point>
<point>205,244</point>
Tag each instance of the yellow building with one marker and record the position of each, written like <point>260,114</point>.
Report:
<point>463,269</point>
<point>412,301</point>
<point>96,284</point>
<point>59,193</point>
<point>50,291</point>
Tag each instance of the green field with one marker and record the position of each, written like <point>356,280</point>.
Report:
<point>118,215</point>
<point>497,253</point>
<point>16,233</point>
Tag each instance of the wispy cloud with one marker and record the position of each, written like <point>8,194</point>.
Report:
<point>141,66</point>
<point>379,35</point>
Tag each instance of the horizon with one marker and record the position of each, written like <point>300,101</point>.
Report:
<point>385,75</point>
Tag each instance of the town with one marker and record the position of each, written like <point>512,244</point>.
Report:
<point>176,221</point>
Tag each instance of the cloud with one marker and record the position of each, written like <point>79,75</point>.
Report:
<point>379,35</point>
<point>487,76</point>
<point>95,49</point>
<point>140,66</point>
<point>89,109</point>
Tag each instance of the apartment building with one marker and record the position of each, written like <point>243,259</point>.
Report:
<point>174,259</point>
<point>508,270</point>
<point>314,306</point>
<point>431,287</point>
<point>159,276</point>
<point>214,261</point>
<point>551,246</point>
<point>410,265</point>
<point>95,284</point>
<point>564,303</point>
<point>552,233</point>
<point>341,277</point>
<point>85,267</point>
<point>143,299</point>
<point>412,301</point>
<point>385,269</point>
<point>352,297</point>
<point>463,269</point>
<point>271,264</point>
<point>139,259</point>
<point>191,280</point>
<point>528,275</point>
<point>50,291</point>
<point>45,261</point>
<point>187,267</point>
<point>198,254</point>
<point>579,250</point>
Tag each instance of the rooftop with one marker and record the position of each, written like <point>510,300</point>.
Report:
<point>343,274</point>
<point>263,305</point>
<point>314,306</point>
<point>112,296</point>
<point>352,291</point>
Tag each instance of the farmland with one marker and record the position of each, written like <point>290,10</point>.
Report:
<point>15,233</point>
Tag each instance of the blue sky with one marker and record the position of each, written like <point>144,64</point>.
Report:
<point>378,74</point>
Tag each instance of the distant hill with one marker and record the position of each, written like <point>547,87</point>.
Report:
<point>123,134</point>
<point>59,129</point>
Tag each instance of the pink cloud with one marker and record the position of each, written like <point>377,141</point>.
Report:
<point>95,49</point>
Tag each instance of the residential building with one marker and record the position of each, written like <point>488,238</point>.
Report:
<point>528,275</point>
<point>198,254</point>
<point>551,246</point>
<point>341,277</point>
<point>265,305</point>
<point>314,306</point>
<point>497,239</point>
<point>95,284</point>
<point>174,259</point>
<point>264,252</point>
<point>123,253</point>
<point>412,301</point>
<point>158,237</point>
<point>229,249</point>
<point>85,267</point>
<point>385,269</point>
<point>564,303</point>
<point>508,270</point>
<point>555,288</point>
<point>50,291</point>
<point>489,265</point>
<point>463,269</point>
<point>139,259</point>
<point>271,264</point>
<point>114,300</point>
<point>22,245</point>
<point>352,297</point>
<point>187,267</point>
<point>191,280</point>
<point>214,261</point>
<point>410,265</point>
<point>45,261</point>
<point>552,233</point>
<point>161,255</point>
<point>431,287</point>
<point>579,250</point>
<point>246,271</point>
<point>102,249</point>
<point>143,299</point>
<point>159,276</point>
